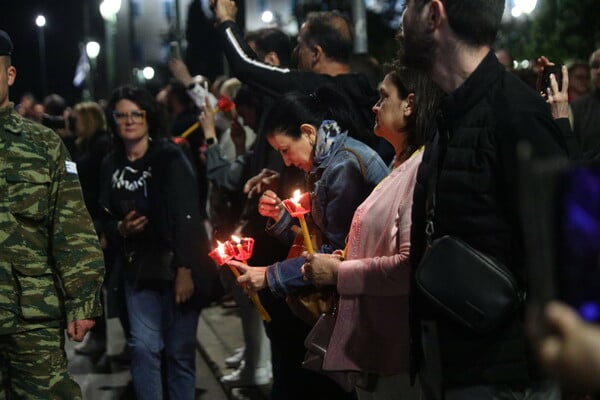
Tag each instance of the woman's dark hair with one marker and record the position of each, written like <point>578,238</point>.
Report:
<point>145,101</point>
<point>426,100</point>
<point>295,108</point>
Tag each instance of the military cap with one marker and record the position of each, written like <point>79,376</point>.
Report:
<point>6,45</point>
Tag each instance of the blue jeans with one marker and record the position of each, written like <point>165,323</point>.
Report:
<point>163,334</point>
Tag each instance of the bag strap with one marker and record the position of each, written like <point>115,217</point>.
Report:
<point>363,169</point>
<point>438,152</point>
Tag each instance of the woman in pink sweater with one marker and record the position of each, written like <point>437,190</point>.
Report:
<point>371,329</point>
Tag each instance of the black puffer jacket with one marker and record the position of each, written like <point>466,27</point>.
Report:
<point>477,201</point>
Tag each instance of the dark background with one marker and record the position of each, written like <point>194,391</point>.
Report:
<point>559,29</point>
<point>63,31</point>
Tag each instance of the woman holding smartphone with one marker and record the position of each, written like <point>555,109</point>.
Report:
<point>150,196</point>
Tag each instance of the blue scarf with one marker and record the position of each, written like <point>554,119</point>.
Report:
<point>328,133</point>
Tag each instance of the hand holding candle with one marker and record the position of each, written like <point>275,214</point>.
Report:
<point>240,249</point>
<point>298,206</point>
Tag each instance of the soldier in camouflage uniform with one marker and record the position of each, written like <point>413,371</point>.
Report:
<point>51,266</point>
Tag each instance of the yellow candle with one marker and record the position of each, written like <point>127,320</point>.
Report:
<point>264,315</point>
<point>307,241</point>
<point>191,129</point>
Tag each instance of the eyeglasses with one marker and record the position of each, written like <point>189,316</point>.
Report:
<point>137,117</point>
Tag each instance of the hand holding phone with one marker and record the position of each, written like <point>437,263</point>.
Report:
<point>555,69</point>
<point>127,206</point>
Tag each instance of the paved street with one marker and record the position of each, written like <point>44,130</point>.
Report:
<point>219,334</point>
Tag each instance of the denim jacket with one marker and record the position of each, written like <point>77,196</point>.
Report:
<point>340,183</point>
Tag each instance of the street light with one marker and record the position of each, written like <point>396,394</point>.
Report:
<point>148,73</point>
<point>92,49</point>
<point>109,10</point>
<point>267,16</point>
<point>40,21</point>
<point>521,7</point>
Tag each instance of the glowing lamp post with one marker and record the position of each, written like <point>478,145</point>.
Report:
<point>109,10</point>
<point>40,21</point>
<point>92,50</point>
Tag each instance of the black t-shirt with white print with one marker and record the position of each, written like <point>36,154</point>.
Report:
<point>131,183</point>
<point>130,187</point>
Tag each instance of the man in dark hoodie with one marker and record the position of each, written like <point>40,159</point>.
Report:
<point>325,45</point>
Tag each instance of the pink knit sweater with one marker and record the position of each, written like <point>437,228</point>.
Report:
<point>371,331</point>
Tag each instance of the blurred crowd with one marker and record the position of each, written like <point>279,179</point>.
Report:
<point>396,155</point>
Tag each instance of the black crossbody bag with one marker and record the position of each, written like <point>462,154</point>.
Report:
<point>469,287</point>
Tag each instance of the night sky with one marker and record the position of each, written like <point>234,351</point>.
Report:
<point>63,32</point>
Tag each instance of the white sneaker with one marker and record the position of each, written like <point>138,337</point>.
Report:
<point>235,360</point>
<point>241,377</point>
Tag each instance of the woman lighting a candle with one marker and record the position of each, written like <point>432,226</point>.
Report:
<point>311,133</point>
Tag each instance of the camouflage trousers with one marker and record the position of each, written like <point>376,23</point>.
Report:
<point>34,366</point>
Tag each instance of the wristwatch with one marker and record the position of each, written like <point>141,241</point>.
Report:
<point>211,141</point>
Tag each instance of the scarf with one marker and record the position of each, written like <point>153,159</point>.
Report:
<point>328,133</point>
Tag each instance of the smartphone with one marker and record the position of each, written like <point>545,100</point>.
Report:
<point>551,69</point>
<point>127,206</point>
<point>560,204</point>
<point>174,50</point>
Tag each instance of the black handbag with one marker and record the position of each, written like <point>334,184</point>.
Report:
<point>468,286</point>
<point>316,344</point>
<point>471,288</point>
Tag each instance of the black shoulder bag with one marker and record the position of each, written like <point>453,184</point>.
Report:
<point>471,288</point>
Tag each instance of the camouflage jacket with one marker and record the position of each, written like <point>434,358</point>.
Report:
<point>51,266</point>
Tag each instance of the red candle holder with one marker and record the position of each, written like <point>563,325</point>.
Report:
<point>298,205</point>
<point>240,248</point>
<point>221,254</point>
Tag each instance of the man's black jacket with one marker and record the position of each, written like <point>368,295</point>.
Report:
<point>477,200</point>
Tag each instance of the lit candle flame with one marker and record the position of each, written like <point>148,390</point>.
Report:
<point>297,196</point>
<point>242,252</point>
<point>297,206</point>
<point>221,249</point>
